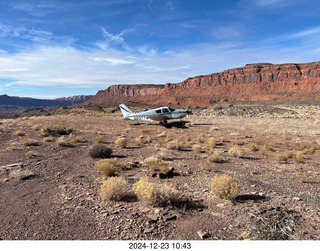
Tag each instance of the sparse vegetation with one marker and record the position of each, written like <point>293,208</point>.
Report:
<point>107,167</point>
<point>100,139</point>
<point>235,151</point>
<point>121,142</point>
<point>20,133</point>
<point>30,154</point>
<point>100,151</point>
<point>56,130</point>
<point>175,145</point>
<point>225,187</point>
<point>78,140</point>
<point>196,148</point>
<point>29,142</point>
<point>155,194</point>
<point>20,174</point>
<point>114,188</point>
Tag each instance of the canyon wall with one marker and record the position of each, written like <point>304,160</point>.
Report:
<point>253,82</point>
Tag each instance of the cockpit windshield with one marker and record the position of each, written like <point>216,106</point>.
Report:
<point>171,109</point>
<point>165,110</point>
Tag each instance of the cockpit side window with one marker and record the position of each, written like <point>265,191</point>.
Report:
<point>165,110</point>
<point>158,111</point>
<point>171,109</point>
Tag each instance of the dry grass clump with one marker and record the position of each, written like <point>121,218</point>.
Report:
<point>30,154</point>
<point>155,194</point>
<point>280,157</point>
<point>196,148</point>
<point>62,141</point>
<point>99,139</point>
<point>78,140</point>
<point>35,127</point>
<point>20,174</point>
<point>235,151</point>
<point>49,139</point>
<point>175,145</point>
<point>225,187</point>
<point>29,142</point>
<point>169,137</point>
<point>121,142</point>
<point>299,157</point>
<point>252,147</point>
<point>107,167</point>
<point>211,143</point>
<point>215,157</point>
<point>114,188</point>
<point>19,133</point>
<point>222,139</point>
<point>56,130</point>
<point>100,151</point>
<point>156,163</point>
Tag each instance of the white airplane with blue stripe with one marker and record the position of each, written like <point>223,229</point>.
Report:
<point>162,114</point>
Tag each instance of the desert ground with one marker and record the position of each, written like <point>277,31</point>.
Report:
<point>51,190</point>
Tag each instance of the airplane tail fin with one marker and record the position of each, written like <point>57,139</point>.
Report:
<point>125,110</point>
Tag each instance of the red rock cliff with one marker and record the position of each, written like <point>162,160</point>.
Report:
<point>253,82</point>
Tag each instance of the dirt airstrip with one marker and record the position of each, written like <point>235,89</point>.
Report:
<point>50,189</point>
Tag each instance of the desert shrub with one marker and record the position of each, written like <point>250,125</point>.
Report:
<point>169,137</point>
<point>30,154</point>
<point>187,137</point>
<point>280,157</point>
<point>225,187</point>
<point>196,148</point>
<point>156,163</point>
<point>29,142</point>
<point>20,174</point>
<point>49,139</point>
<point>121,142</point>
<point>35,127</point>
<point>19,133</point>
<point>175,145</point>
<point>235,151</point>
<point>251,147</point>
<point>78,140</point>
<point>299,157</point>
<point>56,130</point>
<point>200,139</point>
<point>222,139</point>
<point>216,157</point>
<point>211,143</point>
<point>155,194</point>
<point>62,141</point>
<point>138,141</point>
<point>100,151</point>
<point>107,167</point>
<point>100,139</point>
<point>114,188</point>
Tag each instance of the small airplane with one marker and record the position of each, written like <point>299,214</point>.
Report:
<point>161,114</point>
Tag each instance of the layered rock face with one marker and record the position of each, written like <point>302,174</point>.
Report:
<point>253,82</point>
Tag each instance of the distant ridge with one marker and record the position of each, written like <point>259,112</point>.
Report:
<point>253,82</point>
<point>6,100</point>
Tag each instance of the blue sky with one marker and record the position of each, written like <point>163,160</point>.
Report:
<point>57,48</point>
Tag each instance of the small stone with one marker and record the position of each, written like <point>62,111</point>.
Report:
<point>253,185</point>
<point>152,218</point>
<point>170,217</point>
<point>202,234</point>
<point>297,198</point>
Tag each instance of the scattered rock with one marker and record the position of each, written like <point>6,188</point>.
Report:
<point>297,198</point>
<point>203,234</point>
